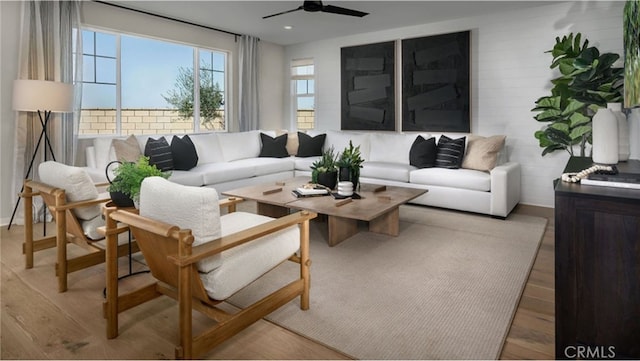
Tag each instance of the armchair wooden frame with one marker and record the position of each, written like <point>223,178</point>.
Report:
<point>68,230</point>
<point>172,261</point>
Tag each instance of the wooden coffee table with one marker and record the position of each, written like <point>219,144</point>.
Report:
<point>379,206</point>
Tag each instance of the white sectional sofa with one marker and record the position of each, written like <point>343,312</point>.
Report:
<point>231,160</point>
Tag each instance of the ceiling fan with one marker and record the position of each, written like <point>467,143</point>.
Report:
<point>315,6</point>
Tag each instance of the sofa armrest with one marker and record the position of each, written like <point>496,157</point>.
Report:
<point>505,188</point>
<point>90,155</point>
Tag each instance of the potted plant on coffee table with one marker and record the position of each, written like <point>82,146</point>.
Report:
<point>324,170</point>
<point>349,164</point>
<point>128,179</point>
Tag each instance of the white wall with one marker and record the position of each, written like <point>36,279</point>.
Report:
<point>510,70</point>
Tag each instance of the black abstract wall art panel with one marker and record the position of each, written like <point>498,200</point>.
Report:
<point>368,87</point>
<point>435,83</point>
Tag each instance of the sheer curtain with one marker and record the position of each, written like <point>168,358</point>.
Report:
<point>49,33</point>
<point>248,116</point>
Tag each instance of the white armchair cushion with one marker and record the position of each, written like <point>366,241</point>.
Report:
<point>243,264</point>
<point>194,208</point>
<point>75,181</point>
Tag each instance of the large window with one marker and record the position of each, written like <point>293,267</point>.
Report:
<point>304,100</point>
<point>135,85</point>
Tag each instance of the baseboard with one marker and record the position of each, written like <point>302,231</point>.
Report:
<point>542,211</point>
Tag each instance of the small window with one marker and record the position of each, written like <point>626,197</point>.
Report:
<point>304,94</point>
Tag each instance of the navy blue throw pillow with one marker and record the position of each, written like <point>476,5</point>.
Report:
<point>184,153</point>
<point>274,147</point>
<point>423,152</point>
<point>310,146</point>
<point>450,152</point>
<point>159,153</point>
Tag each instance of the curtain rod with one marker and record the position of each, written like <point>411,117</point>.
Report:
<point>168,18</point>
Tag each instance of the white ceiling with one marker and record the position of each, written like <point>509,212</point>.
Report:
<point>245,17</point>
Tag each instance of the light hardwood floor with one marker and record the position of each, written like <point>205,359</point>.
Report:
<point>39,323</point>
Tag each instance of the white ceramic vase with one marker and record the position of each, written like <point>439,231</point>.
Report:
<point>624,147</point>
<point>605,137</point>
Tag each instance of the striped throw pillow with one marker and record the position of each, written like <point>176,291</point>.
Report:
<point>450,152</point>
<point>159,153</point>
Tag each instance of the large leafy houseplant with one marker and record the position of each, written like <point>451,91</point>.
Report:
<point>129,176</point>
<point>587,81</point>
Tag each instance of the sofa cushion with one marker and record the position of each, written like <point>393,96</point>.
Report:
<point>214,173</point>
<point>386,170</point>
<point>240,145</point>
<point>273,147</point>
<point>187,177</point>
<point>207,147</point>
<point>264,166</point>
<point>340,141</point>
<point>194,208</point>
<point>423,152</point>
<point>243,264</point>
<point>452,178</point>
<point>75,181</point>
<point>127,150</point>
<point>309,146</point>
<point>450,152</point>
<point>482,153</point>
<point>304,163</point>
<point>392,148</point>
<point>159,153</point>
<point>183,152</point>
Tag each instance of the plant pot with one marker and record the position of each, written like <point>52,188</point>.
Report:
<point>328,179</point>
<point>348,174</point>
<point>605,137</point>
<point>120,199</point>
<point>345,174</point>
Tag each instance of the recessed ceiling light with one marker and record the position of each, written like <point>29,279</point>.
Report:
<point>288,27</point>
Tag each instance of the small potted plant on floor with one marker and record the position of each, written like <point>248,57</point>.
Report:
<point>128,179</point>
<point>324,171</point>
<point>349,164</point>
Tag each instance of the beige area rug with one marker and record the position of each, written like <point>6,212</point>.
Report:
<point>446,288</point>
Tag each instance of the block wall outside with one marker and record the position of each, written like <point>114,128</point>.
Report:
<point>156,121</point>
<point>139,121</point>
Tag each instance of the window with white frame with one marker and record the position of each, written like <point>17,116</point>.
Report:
<point>137,85</point>
<point>304,94</point>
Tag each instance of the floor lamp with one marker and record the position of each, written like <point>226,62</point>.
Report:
<point>44,97</point>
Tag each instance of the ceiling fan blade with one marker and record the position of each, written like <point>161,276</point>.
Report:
<point>342,11</point>
<point>284,12</point>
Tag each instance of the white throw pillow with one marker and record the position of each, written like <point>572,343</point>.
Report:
<point>104,151</point>
<point>75,181</point>
<point>194,208</point>
<point>240,145</point>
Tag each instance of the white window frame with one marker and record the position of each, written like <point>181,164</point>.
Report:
<point>294,87</point>
<point>196,66</point>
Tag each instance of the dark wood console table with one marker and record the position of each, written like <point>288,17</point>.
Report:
<point>597,267</point>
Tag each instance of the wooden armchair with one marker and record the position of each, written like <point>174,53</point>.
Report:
<point>201,272</point>
<point>74,202</point>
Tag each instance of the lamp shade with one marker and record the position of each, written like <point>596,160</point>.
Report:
<point>34,95</point>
